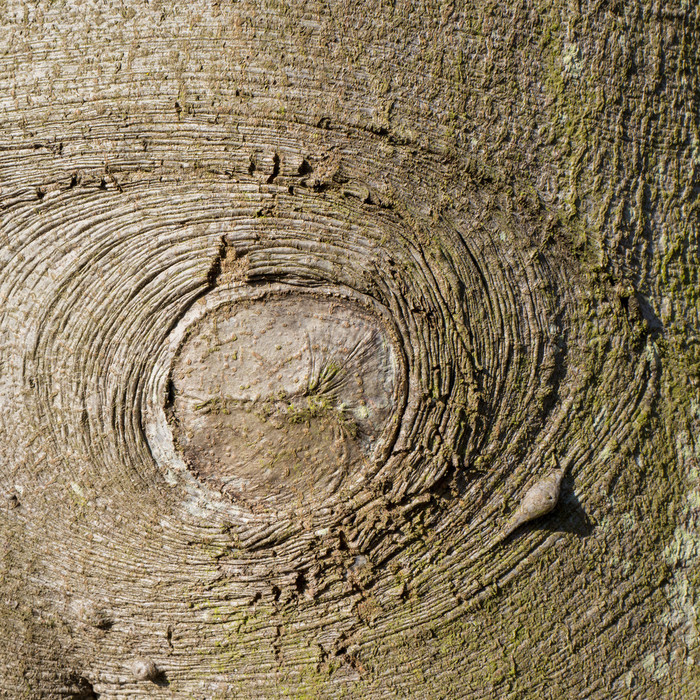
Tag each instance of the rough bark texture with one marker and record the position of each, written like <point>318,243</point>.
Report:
<point>481,223</point>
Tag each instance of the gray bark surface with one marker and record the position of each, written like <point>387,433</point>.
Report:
<point>302,307</point>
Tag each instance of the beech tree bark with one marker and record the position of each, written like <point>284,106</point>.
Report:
<point>299,299</point>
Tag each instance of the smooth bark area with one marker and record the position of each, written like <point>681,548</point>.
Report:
<point>299,300</point>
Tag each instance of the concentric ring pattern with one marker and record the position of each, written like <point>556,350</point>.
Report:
<point>278,361</point>
<point>104,276</point>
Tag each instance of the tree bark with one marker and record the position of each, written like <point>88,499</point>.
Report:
<point>298,301</point>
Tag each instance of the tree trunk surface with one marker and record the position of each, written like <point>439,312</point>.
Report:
<point>299,301</point>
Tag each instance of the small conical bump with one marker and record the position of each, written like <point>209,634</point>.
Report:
<point>540,499</point>
<point>10,500</point>
<point>144,670</point>
<point>90,614</point>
